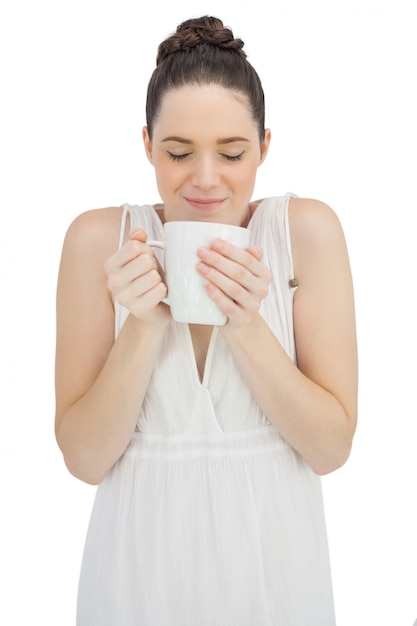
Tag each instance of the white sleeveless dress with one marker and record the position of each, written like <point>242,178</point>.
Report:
<point>209,518</point>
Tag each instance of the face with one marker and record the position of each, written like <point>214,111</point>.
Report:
<point>206,151</point>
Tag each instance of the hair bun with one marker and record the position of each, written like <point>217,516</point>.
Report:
<point>198,31</point>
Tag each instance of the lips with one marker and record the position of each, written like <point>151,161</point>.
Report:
<point>205,203</point>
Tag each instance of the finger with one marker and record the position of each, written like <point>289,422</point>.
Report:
<point>235,281</point>
<point>143,304</point>
<point>234,311</point>
<point>256,252</point>
<point>119,277</point>
<point>244,268</point>
<point>141,286</point>
<point>249,258</point>
<point>138,234</point>
<point>233,292</point>
<point>138,267</point>
<point>130,251</point>
<point>232,279</point>
<point>134,247</point>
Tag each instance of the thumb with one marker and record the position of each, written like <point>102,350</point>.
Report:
<point>138,234</point>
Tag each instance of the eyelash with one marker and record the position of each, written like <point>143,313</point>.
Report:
<point>181,157</point>
<point>237,157</point>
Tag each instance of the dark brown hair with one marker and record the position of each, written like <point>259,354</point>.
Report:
<point>202,52</point>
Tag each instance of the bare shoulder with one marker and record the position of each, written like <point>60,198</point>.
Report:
<point>309,217</point>
<point>97,230</point>
<point>91,239</point>
<point>316,234</point>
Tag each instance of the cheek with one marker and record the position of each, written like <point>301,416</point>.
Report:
<point>245,177</point>
<point>166,175</point>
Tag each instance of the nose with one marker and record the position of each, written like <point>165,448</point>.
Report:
<point>206,173</point>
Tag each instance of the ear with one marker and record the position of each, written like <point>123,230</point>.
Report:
<point>265,145</point>
<point>147,143</point>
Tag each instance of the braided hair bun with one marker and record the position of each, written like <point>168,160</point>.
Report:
<point>203,51</point>
<point>194,32</point>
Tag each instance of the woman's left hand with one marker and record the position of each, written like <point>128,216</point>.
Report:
<point>237,280</point>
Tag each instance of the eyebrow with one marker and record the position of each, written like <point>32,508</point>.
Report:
<point>220,142</point>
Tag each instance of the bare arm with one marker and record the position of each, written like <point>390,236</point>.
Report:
<point>100,382</point>
<point>314,405</point>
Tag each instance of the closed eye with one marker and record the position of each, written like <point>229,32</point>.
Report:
<point>177,157</point>
<point>181,157</point>
<point>236,157</point>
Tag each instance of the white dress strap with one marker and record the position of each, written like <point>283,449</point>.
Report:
<point>117,309</point>
<point>123,224</point>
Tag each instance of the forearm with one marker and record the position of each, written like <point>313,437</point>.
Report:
<point>96,429</point>
<point>309,417</point>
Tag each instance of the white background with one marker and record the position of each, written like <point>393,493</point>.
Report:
<point>340,83</point>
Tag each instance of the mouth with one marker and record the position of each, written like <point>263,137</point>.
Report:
<point>205,204</point>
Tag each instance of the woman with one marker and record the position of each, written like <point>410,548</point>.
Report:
<point>207,443</point>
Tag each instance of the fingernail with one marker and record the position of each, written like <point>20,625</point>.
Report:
<point>136,233</point>
<point>202,268</point>
<point>217,244</point>
<point>203,253</point>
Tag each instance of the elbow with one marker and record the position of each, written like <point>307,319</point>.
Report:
<point>87,464</point>
<point>86,475</point>
<point>335,449</point>
<point>330,462</point>
<point>84,469</point>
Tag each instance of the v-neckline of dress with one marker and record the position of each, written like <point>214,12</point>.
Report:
<point>201,381</point>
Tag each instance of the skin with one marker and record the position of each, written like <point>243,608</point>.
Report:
<point>205,150</point>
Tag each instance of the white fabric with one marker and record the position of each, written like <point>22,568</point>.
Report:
<point>209,518</point>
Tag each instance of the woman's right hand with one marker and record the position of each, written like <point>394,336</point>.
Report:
<point>136,280</point>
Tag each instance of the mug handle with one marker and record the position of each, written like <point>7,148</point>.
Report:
<point>158,244</point>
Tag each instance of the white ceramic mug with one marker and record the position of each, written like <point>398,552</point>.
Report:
<point>188,300</point>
